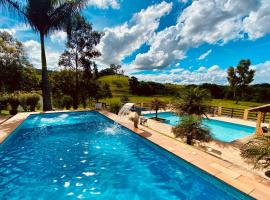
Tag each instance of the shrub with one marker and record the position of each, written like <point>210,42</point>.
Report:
<point>29,101</point>
<point>124,99</point>
<point>14,102</point>
<point>115,107</point>
<point>3,102</point>
<point>67,102</point>
<point>23,101</point>
<point>32,101</point>
<point>58,102</point>
<point>191,128</point>
<point>257,152</point>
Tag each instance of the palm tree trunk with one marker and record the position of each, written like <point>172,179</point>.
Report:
<point>46,93</point>
<point>189,139</point>
<point>234,93</point>
<point>76,99</point>
<point>156,114</point>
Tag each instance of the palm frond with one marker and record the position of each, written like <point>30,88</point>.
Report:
<point>64,13</point>
<point>13,8</point>
<point>257,151</point>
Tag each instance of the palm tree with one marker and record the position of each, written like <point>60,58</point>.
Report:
<point>257,151</point>
<point>156,105</point>
<point>191,128</point>
<point>192,101</point>
<point>191,107</point>
<point>45,16</point>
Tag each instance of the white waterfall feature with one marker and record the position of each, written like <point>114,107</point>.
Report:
<point>122,112</point>
<point>125,109</point>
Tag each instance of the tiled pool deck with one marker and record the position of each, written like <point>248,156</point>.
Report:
<point>232,174</point>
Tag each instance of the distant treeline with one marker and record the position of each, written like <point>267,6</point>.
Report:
<point>143,88</point>
<point>256,93</point>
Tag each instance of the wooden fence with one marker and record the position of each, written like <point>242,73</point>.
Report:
<point>242,114</point>
<point>220,111</point>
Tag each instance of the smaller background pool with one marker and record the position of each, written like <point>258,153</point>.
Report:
<point>220,130</point>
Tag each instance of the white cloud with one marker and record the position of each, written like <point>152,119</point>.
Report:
<point>183,1</point>
<point>213,68</point>
<point>206,75</point>
<point>11,31</point>
<point>176,70</point>
<point>58,36</point>
<point>104,4</point>
<point>201,69</point>
<point>205,21</point>
<point>15,29</point>
<point>122,40</point>
<point>204,55</point>
<point>262,72</point>
<point>213,74</point>
<point>32,48</point>
<point>257,24</point>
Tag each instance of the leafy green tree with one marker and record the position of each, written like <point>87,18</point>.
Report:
<point>240,77</point>
<point>102,91</point>
<point>16,73</point>
<point>63,83</point>
<point>191,128</point>
<point>112,70</point>
<point>133,84</point>
<point>192,101</point>
<point>45,16</point>
<point>80,49</point>
<point>156,105</point>
<point>257,151</point>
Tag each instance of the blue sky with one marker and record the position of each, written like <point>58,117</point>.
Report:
<point>177,41</point>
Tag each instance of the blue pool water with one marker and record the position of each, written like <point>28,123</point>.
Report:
<point>83,155</point>
<point>222,131</point>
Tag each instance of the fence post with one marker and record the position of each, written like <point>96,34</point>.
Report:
<point>219,111</point>
<point>232,113</point>
<point>245,117</point>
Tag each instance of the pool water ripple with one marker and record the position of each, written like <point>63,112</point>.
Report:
<point>220,130</point>
<point>70,156</point>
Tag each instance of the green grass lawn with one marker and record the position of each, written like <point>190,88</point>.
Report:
<point>4,113</point>
<point>232,104</point>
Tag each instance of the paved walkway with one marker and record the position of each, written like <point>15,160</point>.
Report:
<point>4,118</point>
<point>226,151</point>
<point>232,174</point>
<point>8,126</point>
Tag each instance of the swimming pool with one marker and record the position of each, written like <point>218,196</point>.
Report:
<point>220,130</point>
<point>83,155</point>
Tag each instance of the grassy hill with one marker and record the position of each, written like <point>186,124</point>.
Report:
<point>119,84</point>
<point>120,87</point>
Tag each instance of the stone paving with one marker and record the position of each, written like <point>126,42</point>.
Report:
<point>232,174</point>
<point>10,125</point>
